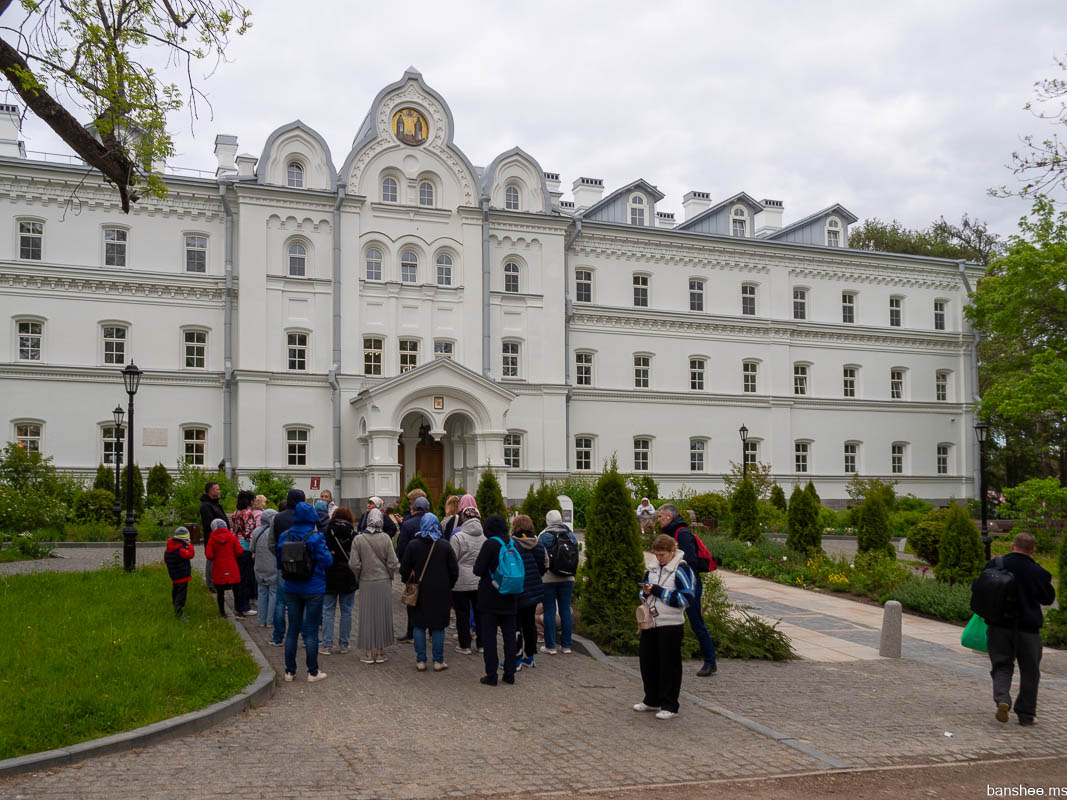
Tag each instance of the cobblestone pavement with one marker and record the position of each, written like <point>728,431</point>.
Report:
<point>385,731</point>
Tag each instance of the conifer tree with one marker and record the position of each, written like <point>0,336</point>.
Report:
<point>810,489</point>
<point>489,498</point>
<point>960,554</point>
<point>105,478</point>
<point>874,527</point>
<point>538,503</point>
<point>778,497</point>
<point>804,534</point>
<point>138,490</point>
<point>613,566</point>
<point>159,483</point>
<point>744,514</point>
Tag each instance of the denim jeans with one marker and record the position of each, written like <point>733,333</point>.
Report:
<point>329,603</point>
<point>437,643</point>
<point>558,594</point>
<point>279,612</point>
<point>305,616</point>
<point>696,622</point>
<point>268,593</point>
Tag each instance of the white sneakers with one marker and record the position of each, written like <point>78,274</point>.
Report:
<point>643,707</point>
<point>660,713</point>
<point>318,676</point>
<point>666,714</point>
<point>420,666</point>
<point>439,666</point>
<point>549,650</point>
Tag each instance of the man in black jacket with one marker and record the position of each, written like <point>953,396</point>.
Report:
<point>671,524</point>
<point>282,522</point>
<point>1021,641</point>
<point>210,510</point>
<point>409,529</point>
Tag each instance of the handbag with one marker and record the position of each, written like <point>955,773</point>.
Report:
<point>975,635</point>
<point>645,620</point>
<point>411,590</point>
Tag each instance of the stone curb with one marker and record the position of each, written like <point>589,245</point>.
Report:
<point>256,693</point>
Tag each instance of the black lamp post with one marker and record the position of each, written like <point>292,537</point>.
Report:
<point>117,414</point>
<point>981,431</point>
<point>131,377</point>
<point>743,432</point>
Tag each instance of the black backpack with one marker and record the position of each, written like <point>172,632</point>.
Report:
<point>995,594</point>
<point>563,557</point>
<point>296,560</point>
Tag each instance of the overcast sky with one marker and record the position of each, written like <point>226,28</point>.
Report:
<point>905,110</point>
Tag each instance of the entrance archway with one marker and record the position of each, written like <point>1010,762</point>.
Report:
<point>418,452</point>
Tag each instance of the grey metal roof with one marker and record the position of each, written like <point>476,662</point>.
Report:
<point>836,208</point>
<point>740,197</point>
<point>292,126</point>
<point>489,174</point>
<point>640,183</point>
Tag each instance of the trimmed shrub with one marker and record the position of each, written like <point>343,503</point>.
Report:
<point>416,482</point>
<point>873,535</point>
<point>744,516</point>
<point>138,489</point>
<point>94,505</point>
<point>778,497</point>
<point>613,566</point>
<point>924,538</point>
<point>538,503</point>
<point>771,518</point>
<point>804,533</point>
<point>271,485</point>
<point>489,498</point>
<point>960,556</point>
<point>875,573</point>
<point>105,478</point>
<point>709,506</point>
<point>810,489</point>
<point>941,600</point>
<point>23,510</point>
<point>159,482</point>
<point>910,502</point>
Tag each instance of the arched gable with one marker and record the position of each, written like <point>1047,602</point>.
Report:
<point>297,142</point>
<point>519,169</point>
<point>376,145</point>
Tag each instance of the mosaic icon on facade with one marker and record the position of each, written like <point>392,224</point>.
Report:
<point>410,126</point>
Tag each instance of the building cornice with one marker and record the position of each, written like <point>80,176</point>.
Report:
<point>110,374</point>
<point>147,287</point>
<point>766,401</point>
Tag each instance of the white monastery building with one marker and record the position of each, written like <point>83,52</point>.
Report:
<point>408,310</point>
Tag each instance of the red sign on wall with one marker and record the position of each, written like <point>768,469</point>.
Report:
<point>315,482</point>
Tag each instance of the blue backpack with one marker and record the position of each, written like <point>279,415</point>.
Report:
<point>509,577</point>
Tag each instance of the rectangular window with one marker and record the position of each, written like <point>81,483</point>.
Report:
<point>409,354</point>
<point>28,436</point>
<point>942,459</point>
<point>298,351</point>
<point>749,375</point>
<point>443,349</point>
<point>748,300</point>
<point>30,335</point>
<point>697,448</point>
<point>641,370</point>
<point>31,234</point>
<point>896,384</point>
<point>113,439</point>
<point>114,247</point>
<point>372,355</point>
<point>696,374</point>
<point>751,452</point>
<point>194,446</point>
<point>941,386</point>
<point>374,264</point>
<point>848,307</point>
<point>939,315</point>
<point>444,270</point>
<point>583,286</point>
<point>895,309</point>
<point>833,238</point>
<point>583,369</point>
<point>195,349</point>
<point>801,451</point>
<point>583,453</point>
<point>114,344</point>
<point>195,253</point>
<point>641,291</point>
<point>897,459</point>
<point>800,379</point>
<point>848,381</point>
<point>851,451</point>
<point>511,359</point>
<point>696,295</point>
<point>800,304</point>
<point>738,227</point>
<point>296,441</point>
<point>641,451</point>
<point>512,450</point>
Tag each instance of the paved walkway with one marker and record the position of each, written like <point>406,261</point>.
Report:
<point>385,731</point>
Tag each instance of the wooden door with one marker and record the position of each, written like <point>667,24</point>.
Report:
<point>430,463</point>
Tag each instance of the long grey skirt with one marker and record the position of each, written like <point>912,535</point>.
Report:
<point>375,615</point>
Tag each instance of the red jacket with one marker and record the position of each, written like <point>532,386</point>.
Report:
<point>179,553</point>
<point>224,549</point>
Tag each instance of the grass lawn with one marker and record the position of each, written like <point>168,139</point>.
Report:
<point>11,554</point>
<point>84,655</point>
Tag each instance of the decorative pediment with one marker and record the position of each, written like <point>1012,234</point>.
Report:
<point>297,143</point>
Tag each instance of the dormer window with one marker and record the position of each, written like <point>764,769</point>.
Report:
<point>833,233</point>
<point>511,199</point>
<point>637,209</point>
<point>739,222</point>
<point>294,175</point>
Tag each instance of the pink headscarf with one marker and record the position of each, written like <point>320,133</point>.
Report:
<point>467,501</point>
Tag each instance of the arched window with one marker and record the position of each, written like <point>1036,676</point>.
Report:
<point>298,257</point>
<point>444,270</point>
<point>374,264</point>
<point>425,193</point>
<point>637,209</point>
<point>511,199</point>
<point>739,222</point>
<point>409,267</point>
<point>294,175</point>
<point>389,193</point>
<point>511,277</point>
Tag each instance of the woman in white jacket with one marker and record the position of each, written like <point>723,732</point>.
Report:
<point>667,590</point>
<point>467,541</point>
